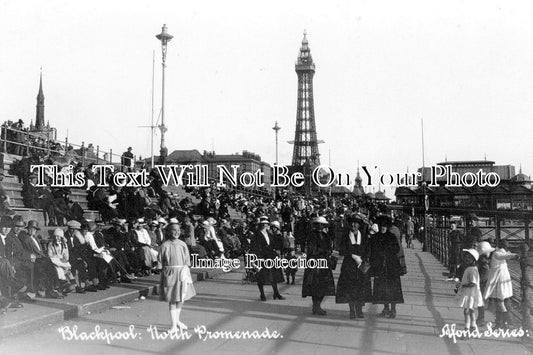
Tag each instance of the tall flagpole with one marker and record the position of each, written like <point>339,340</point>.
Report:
<point>423,153</point>
<point>164,37</point>
<point>152,125</point>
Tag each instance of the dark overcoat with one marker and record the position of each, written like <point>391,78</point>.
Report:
<point>318,282</point>
<point>353,285</point>
<point>265,250</point>
<point>386,269</point>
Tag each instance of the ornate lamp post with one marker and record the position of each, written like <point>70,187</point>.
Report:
<point>276,128</point>
<point>164,37</point>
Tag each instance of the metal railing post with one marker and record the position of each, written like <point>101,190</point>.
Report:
<point>525,284</point>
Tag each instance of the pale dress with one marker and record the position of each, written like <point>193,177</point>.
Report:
<point>470,297</point>
<point>176,281</point>
<point>499,284</point>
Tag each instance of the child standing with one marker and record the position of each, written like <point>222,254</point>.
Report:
<point>483,265</point>
<point>288,247</point>
<point>499,287</point>
<point>469,294</point>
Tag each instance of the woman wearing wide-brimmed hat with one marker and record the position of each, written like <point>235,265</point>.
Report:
<point>386,268</point>
<point>58,254</point>
<point>354,286</point>
<point>318,283</point>
<point>265,245</point>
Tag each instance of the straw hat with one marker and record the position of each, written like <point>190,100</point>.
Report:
<point>320,220</point>
<point>484,248</point>
<point>275,224</point>
<point>472,252</point>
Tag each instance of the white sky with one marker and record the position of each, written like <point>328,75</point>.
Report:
<point>466,67</point>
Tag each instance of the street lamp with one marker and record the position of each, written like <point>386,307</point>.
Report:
<point>276,128</point>
<point>164,37</point>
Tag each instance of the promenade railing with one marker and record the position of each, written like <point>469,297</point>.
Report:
<point>21,142</point>
<point>521,270</point>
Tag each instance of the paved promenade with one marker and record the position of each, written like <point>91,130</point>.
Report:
<point>226,304</point>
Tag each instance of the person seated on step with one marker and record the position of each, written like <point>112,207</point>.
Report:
<point>58,254</point>
<point>118,239</point>
<point>11,285</point>
<point>143,245</point>
<point>77,250</point>
<point>117,260</point>
<point>34,196</point>
<point>44,271</point>
<point>92,255</point>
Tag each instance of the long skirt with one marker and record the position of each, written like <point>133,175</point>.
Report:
<point>270,276</point>
<point>318,283</point>
<point>353,285</point>
<point>387,290</point>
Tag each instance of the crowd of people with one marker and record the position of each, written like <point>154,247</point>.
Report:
<point>83,256</point>
<point>129,242</point>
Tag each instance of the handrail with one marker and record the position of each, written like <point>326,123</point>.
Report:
<point>23,146</point>
<point>439,245</point>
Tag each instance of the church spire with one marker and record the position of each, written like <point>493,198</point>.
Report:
<point>39,116</point>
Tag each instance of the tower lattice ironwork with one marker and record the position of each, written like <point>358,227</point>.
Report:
<point>305,142</point>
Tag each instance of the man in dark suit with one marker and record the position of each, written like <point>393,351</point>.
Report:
<point>127,160</point>
<point>15,252</point>
<point>44,270</point>
<point>39,197</point>
<point>8,277</point>
<point>76,252</point>
<point>118,240</point>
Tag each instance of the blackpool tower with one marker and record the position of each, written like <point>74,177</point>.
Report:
<point>305,152</point>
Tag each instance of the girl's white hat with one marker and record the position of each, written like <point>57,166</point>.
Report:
<point>472,252</point>
<point>484,248</point>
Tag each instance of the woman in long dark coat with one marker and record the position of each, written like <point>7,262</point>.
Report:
<point>265,245</point>
<point>386,269</point>
<point>353,286</point>
<point>318,283</point>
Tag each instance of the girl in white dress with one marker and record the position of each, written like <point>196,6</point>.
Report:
<point>469,294</point>
<point>499,285</point>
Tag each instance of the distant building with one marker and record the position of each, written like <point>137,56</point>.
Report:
<point>514,191</point>
<point>246,162</point>
<point>40,129</point>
